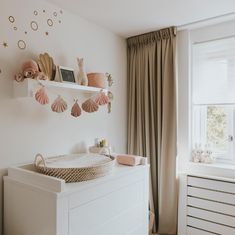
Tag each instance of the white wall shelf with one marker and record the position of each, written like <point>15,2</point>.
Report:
<point>28,86</point>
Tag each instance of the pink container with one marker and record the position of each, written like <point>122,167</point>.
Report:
<point>96,80</point>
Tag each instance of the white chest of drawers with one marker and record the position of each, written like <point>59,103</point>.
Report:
<point>117,204</point>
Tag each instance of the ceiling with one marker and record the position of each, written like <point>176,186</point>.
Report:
<point>132,17</point>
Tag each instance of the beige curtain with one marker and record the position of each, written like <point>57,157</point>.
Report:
<point>152,118</point>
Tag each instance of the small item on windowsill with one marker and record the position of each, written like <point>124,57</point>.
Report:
<point>131,160</point>
<point>200,155</point>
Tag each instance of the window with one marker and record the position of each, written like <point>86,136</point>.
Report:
<point>213,97</point>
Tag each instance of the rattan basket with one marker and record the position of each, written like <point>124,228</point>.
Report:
<point>75,168</point>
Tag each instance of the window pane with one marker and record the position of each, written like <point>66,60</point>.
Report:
<point>213,127</point>
<point>217,128</point>
<point>214,72</point>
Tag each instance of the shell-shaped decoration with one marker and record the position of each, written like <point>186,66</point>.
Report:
<point>76,110</point>
<point>59,105</point>
<point>41,76</point>
<point>41,96</point>
<point>90,106</point>
<point>102,99</point>
<point>47,65</point>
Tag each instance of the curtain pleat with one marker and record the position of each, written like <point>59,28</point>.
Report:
<point>152,118</point>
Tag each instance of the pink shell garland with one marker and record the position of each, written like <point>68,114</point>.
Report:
<point>59,105</point>
<point>76,110</point>
<point>19,77</point>
<point>102,99</point>
<point>90,106</point>
<point>41,96</point>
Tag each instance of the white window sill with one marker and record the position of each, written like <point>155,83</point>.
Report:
<point>213,169</point>
<point>215,165</point>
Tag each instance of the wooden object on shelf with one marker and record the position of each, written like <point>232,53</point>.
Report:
<point>96,80</point>
<point>28,86</point>
<point>43,205</point>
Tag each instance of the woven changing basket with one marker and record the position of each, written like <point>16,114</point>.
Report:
<point>75,168</point>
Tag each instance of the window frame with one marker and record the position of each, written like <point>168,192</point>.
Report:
<point>229,158</point>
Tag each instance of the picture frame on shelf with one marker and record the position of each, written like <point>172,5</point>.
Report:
<point>66,74</point>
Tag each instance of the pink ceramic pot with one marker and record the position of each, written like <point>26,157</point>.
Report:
<point>96,80</point>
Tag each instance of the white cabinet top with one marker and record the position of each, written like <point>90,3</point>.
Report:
<point>27,174</point>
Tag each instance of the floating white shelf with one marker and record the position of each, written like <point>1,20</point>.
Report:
<point>28,86</point>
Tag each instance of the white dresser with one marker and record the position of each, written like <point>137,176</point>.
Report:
<point>207,205</point>
<point>36,204</point>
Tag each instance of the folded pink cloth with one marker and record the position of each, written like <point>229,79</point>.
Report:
<point>130,160</point>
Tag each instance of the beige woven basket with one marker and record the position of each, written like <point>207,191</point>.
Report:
<point>76,170</point>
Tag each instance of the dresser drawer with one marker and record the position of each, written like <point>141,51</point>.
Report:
<point>91,193</point>
<point>84,219</point>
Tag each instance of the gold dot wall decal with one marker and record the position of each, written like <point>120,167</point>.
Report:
<point>44,11</point>
<point>50,22</point>
<point>35,13</point>
<point>21,44</point>
<point>15,28</point>
<point>11,19</point>
<point>25,32</point>
<point>34,25</point>
<point>5,44</point>
<point>46,33</point>
<point>55,14</point>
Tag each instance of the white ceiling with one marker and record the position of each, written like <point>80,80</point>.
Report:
<point>132,17</point>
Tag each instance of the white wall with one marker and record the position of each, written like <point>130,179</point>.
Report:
<point>27,128</point>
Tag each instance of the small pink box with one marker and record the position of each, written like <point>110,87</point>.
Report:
<point>130,160</point>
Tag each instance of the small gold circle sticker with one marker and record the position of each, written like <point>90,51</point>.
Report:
<point>34,25</point>
<point>11,19</point>
<point>55,14</point>
<point>50,22</point>
<point>21,44</point>
<point>35,13</point>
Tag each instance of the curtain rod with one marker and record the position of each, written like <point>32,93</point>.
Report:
<point>207,21</point>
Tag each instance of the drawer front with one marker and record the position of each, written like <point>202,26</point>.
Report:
<point>209,226</point>
<point>122,209</point>
<point>194,231</point>
<point>83,197</point>
<point>217,185</point>
<point>121,224</point>
<point>140,230</point>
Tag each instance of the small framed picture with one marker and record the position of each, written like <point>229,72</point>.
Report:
<point>66,74</point>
